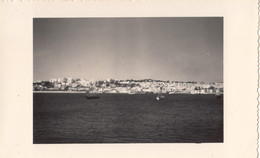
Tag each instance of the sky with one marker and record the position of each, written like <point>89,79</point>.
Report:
<point>172,48</point>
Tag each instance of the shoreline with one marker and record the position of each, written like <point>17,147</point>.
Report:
<point>82,92</point>
<point>58,92</point>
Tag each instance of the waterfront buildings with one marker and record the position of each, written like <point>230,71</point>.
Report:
<point>127,86</point>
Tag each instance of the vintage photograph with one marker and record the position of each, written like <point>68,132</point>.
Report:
<point>128,80</point>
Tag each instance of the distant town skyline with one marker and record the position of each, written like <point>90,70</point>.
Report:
<point>176,49</point>
<point>61,79</point>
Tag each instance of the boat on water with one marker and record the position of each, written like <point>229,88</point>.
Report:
<point>160,97</point>
<point>91,96</point>
<point>219,96</point>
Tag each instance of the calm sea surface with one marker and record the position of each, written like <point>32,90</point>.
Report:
<point>123,118</point>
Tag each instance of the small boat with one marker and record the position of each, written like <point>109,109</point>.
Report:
<point>92,97</point>
<point>160,97</point>
<point>219,96</point>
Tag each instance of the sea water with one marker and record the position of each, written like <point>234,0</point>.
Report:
<point>125,118</point>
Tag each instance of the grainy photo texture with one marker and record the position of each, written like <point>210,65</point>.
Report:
<point>128,80</point>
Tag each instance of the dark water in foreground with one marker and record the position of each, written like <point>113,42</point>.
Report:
<point>123,118</point>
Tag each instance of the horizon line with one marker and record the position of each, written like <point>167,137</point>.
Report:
<point>128,79</point>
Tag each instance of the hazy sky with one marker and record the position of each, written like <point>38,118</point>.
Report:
<point>179,49</point>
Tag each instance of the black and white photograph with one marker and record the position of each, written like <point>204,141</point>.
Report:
<point>128,80</point>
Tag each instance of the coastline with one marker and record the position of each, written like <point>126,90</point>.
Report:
<point>83,92</point>
<point>59,92</point>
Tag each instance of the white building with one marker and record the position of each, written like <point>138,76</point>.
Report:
<point>52,80</point>
<point>69,80</point>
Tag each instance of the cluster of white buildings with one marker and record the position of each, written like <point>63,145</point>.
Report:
<point>130,86</point>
